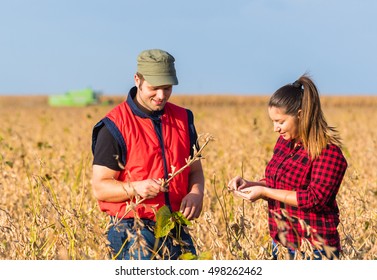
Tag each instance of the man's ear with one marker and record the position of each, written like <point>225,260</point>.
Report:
<point>137,80</point>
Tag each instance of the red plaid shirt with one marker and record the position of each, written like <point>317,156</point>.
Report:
<point>316,182</point>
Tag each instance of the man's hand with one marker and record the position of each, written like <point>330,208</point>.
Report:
<point>148,188</point>
<point>192,205</point>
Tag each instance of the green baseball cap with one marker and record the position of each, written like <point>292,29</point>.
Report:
<point>157,67</point>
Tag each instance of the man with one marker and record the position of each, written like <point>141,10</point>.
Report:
<point>135,147</point>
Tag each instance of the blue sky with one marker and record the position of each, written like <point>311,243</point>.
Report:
<point>227,47</point>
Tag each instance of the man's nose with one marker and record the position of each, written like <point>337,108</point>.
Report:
<point>160,93</point>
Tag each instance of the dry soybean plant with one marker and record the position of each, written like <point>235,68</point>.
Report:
<point>165,220</point>
<point>48,211</point>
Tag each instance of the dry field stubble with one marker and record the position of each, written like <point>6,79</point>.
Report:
<point>47,210</point>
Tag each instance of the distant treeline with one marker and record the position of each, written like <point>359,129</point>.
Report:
<point>198,100</point>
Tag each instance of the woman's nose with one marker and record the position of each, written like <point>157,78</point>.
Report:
<point>276,128</point>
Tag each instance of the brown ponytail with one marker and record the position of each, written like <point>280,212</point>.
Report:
<point>302,98</point>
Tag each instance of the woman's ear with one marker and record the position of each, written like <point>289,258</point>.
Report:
<point>299,114</point>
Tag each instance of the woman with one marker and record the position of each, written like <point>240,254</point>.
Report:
<point>304,175</point>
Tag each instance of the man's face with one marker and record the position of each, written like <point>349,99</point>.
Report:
<point>151,98</point>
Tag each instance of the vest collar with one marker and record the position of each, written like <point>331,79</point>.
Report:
<point>136,110</point>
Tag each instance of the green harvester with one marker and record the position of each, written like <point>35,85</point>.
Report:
<point>79,98</point>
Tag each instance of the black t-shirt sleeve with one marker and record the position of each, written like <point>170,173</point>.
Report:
<point>192,132</point>
<point>107,150</point>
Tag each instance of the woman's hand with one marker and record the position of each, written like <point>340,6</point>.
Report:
<point>237,183</point>
<point>247,190</point>
<point>251,193</point>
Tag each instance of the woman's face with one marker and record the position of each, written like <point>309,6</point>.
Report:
<point>285,125</point>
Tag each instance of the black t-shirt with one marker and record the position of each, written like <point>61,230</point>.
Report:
<point>107,150</point>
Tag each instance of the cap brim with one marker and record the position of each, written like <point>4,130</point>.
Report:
<point>161,80</point>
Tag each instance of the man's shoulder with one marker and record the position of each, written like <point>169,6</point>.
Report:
<point>118,112</point>
<point>174,106</point>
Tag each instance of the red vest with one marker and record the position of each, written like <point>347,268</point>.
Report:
<point>145,156</point>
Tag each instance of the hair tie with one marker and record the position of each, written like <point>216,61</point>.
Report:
<point>298,85</point>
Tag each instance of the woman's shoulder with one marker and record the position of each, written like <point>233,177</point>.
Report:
<point>334,152</point>
<point>333,148</point>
